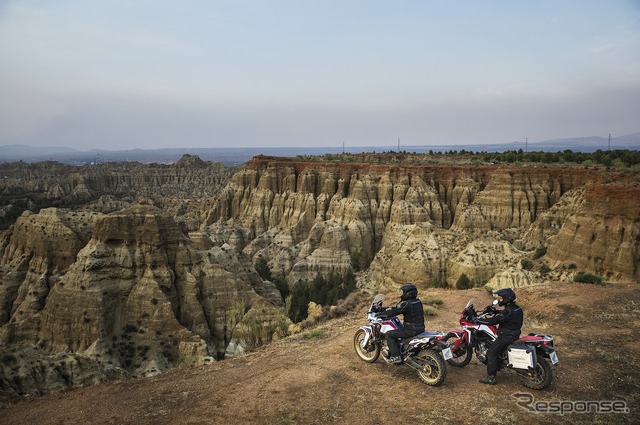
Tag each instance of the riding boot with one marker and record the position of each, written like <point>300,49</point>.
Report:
<point>490,380</point>
<point>395,360</point>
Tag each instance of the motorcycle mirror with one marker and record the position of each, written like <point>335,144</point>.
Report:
<point>495,302</point>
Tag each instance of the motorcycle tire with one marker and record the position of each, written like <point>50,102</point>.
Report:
<point>434,369</point>
<point>461,356</point>
<point>541,376</point>
<point>368,354</point>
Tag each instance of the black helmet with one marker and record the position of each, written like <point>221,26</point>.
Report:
<point>507,294</point>
<point>409,292</point>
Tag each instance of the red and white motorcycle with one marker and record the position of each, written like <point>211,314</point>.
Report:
<point>530,356</point>
<point>425,352</point>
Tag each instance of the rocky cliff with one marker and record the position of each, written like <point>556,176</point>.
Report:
<point>87,296</point>
<point>137,270</point>
<point>430,224</point>
<point>127,293</point>
<point>179,188</point>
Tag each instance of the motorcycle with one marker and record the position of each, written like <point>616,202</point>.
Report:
<point>425,352</point>
<point>530,357</point>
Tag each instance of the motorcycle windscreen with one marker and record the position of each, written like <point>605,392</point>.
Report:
<point>379,299</point>
<point>521,357</point>
<point>376,305</point>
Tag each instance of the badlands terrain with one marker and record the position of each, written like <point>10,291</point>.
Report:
<point>315,377</point>
<point>139,285</point>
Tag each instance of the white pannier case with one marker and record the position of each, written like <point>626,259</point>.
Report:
<point>521,357</point>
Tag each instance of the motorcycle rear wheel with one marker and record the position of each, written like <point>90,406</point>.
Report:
<point>368,353</point>
<point>433,370</point>
<point>541,377</point>
<point>461,356</point>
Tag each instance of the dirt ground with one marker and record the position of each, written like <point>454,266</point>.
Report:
<point>316,378</point>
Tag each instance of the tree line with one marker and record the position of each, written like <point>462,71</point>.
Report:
<point>325,291</point>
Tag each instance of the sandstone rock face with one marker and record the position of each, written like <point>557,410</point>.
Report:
<point>126,293</point>
<point>603,237</point>
<point>181,188</point>
<point>35,253</point>
<point>161,272</point>
<point>426,224</point>
<point>514,277</point>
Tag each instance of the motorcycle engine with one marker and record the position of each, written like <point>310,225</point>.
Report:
<point>481,351</point>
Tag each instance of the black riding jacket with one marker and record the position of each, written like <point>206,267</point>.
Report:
<point>412,313</point>
<point>509,320</point>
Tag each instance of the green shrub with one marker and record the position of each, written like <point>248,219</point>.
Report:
<point>526,264</point>
<point>360,260</point>
<point>540,252</point>
<point>437,283</point>
<point>544,269</point>
<point>314,333</point>
<point>464,282</point>
<point>297,302</point>
<point>263,268</point>
<point>430,311</point>
<point>130,329</point>
<point>587,278</point>
<point>283,287</point>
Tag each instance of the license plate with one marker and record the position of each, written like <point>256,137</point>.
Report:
<point>446,353</point>
<point>554,357</point>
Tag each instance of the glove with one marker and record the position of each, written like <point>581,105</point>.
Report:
<point>489,309</point>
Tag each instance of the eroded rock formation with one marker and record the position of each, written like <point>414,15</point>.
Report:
<point>179,188</point>
<point>146,269</point>
<point>126,293</point>
<point>429,224</point>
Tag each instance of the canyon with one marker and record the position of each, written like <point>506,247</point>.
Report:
<point>121,270</point>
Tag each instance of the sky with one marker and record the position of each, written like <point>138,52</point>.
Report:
<point>125,74</point>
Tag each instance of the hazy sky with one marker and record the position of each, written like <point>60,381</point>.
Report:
<point>123,74</point>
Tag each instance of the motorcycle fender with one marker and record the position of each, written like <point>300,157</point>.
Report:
<point>367,331</point>
<point>548,352</point>
<point>440,345</point>
<point>459,335</point>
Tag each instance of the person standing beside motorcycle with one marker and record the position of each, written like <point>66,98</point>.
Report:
<point>411,309</point>
<point>509,323</point>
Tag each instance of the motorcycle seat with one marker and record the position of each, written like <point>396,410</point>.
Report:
<point>529,338</point>
<point>425,334</point>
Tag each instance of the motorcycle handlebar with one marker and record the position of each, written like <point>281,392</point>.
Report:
<point>477,315</point>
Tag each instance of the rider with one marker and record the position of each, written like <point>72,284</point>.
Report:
<point>411,309</point>
<point>509,323</point>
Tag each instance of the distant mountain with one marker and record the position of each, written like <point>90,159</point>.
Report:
<point>589,144</point>
<point>25,152</point>
<point>236,156</point>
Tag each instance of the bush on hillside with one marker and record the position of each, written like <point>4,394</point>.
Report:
<point>588,278</point>
<point>464,282</point>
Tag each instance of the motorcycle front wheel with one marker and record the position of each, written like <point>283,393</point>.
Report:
<point>461,356</point>
<point>433,370</point>
<point>541,377</point>
<point>368,353</point>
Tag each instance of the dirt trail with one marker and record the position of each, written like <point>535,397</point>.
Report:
<point>319,379</point>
